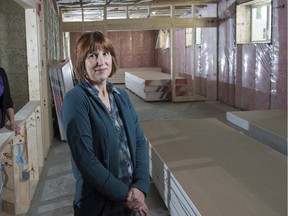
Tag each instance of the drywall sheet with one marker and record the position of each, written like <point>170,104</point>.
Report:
<point>212,169</point>
<point>119,76</point>
<point>267,126</point>
<point>154,85</point>
<point>61,82</point>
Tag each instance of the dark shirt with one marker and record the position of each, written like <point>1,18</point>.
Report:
<point>6,99</point>
<point>1,93</point>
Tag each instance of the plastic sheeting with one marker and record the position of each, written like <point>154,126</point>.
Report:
<point>198,63</point>
<point>253,76</point>
<point>279,55</point>
<point>226,52</point>
<point>206,56</point>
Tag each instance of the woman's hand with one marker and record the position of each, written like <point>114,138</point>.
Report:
<point>15,128</point>
<point>143,210</point>
<point>136,202</point>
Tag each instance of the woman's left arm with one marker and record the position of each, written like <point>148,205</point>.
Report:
<point>141,178</point>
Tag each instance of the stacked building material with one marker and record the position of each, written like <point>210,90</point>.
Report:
<point>154,85</point>
<point>61,79</point>
<point>119,76</point>
<point>267,126</point>
<point>204,167</point>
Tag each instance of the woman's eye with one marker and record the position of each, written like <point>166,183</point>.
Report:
<point>93,55</point>
<point>106,53</point>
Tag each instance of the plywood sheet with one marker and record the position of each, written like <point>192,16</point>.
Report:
<point>221,171</point>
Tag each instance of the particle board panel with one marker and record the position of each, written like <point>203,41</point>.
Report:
<point>217,169</point>
<point>267,126</point>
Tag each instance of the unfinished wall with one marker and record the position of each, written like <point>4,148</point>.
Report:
<point>53,35</point>
<point>132,48</point>
<point>13,54</point>
<point>250,76</point>
<point>197,63</point>
<point>163,59</point>
<point>279,55</point>
<point>253,76</point>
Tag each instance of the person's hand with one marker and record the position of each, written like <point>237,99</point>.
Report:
<point>135,201</point>
<point>143,210</point>
<point>15,128</point>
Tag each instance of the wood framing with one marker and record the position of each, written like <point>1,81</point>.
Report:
<point>27,4</point>
<point>45,111</point>
<point>21,160</point>
<point>33,54</point>
<point>139,24</point>
<point>168,21</point>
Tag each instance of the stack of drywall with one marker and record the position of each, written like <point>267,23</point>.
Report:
<point>204,167</point>
<point>119,76</point>
<point>153,85</point>
<point>61,79</point>
<point>267,126</point>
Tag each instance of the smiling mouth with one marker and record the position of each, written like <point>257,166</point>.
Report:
<point>100,70</point>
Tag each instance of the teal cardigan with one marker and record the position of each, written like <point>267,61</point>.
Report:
<point>93,143</point>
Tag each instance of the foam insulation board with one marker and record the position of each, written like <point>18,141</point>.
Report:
<point>206,167</point>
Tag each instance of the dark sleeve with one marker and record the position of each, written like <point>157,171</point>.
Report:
<point>7,99</point>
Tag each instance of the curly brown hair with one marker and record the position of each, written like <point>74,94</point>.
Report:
<point>88,43</point>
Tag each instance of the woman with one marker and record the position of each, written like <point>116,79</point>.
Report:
<point>6,103</point>
<point>108,147</point>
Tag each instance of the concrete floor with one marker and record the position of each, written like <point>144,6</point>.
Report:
<point>55,190</point>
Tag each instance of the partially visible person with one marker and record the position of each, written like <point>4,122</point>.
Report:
<point>6,103</point>
<point>108,147</point>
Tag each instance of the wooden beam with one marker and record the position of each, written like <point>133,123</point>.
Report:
<point>32,42</point>
<point>55,6</point>
<point>27,4</point>
<point>139,24</point>
<point>172,56</point>
<point>196,22</point>
<point>45,133</point>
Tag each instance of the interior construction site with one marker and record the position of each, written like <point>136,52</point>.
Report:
<point>208,79</point>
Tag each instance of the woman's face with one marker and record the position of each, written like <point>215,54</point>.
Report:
<point>98,66</point>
